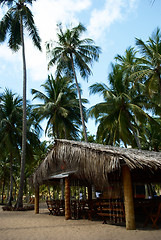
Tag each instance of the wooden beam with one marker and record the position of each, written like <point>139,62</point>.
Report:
<point>67,199</point>
<point>128,198</point>
<point>37,199</point>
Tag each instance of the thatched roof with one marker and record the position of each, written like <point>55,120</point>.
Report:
<point>96,163</point>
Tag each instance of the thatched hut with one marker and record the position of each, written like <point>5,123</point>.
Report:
<point>99,165</point>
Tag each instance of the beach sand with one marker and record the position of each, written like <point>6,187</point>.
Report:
<point>30,226</point>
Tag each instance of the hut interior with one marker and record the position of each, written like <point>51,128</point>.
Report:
<point>94,173</point>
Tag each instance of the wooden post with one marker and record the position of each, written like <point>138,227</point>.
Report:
<point>89,193</point>
<point>128,198</point>
<point>62,188</point>
<point>67,199</point>
<point>37,199</point>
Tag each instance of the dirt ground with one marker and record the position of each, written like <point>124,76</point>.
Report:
<point>30,226</point>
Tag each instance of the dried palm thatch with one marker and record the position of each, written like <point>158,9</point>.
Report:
<point>96,162</point>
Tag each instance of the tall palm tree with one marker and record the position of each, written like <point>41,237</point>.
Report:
<point>10,129</point>
<point>60,107</point>
<point>71,53</point>
<point>17,18</point>
<point>121,112</point>
<point>150,74</point>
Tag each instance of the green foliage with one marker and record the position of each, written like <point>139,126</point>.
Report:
<point>10,24</point>
<point>72,54</point>
<point>70,46</point>
<point>121,114</point>
<point>150,74</point>
<point>60,107</point>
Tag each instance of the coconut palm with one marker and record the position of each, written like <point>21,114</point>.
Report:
<point>120,115</point>
<point>60,107</point>
<point>11,132</point>
<point>4,174</point>
<point>151,139</point>
<point>129,63</point>
<point>18,18</point>
<point>151,64</point>
<point>71,53</point>
<point>10,129</point>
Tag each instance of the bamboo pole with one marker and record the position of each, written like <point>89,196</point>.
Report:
<point>67,199</point>
<point>128,198</point>
<point>37,199</point>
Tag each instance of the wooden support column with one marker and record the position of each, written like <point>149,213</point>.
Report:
<point>89,193</point>
<point>62,188</point>
<point>37,199</point>
<point>67,199</point>
<point>128,198</point>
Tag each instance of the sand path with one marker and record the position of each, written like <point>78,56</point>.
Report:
<point>30,226</point>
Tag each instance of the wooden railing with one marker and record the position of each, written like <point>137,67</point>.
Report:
<point>107,209</point>
<point>111,210</point>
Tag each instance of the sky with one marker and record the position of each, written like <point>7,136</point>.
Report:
<point>112,24</point>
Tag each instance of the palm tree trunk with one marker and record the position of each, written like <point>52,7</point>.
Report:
<point>136,138</point>
<point>3,188</point>
<point>23,153</point>
<point>14,199</point>
<point>80,101</point>
<point>135,134</point>
<point>160,87</point>
<point>11,182</point>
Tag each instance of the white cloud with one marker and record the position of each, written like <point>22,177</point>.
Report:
<point>111,12</point>
<point>46,15</point>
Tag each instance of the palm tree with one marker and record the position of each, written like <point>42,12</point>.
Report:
<point>151,139</point>
<point>60,107</point>
<point>17,18</point>
<point>4,172</point>
<point>71,53</point>
<point>10,129</point>
<point>150,74</point>
<point>121,113</point>
<point>129,63</point>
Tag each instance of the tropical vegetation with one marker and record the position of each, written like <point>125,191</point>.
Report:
<point>70,53</point>
<point>129,115</point>
<point>60,107</point>
<point>18,18</point>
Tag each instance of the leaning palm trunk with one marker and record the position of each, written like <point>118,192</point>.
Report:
<point>80,102</point>
<point>23,153</point>
<point>136,137</point>
<point>137,140</point>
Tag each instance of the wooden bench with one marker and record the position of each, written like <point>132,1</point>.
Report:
<point>111,209</point>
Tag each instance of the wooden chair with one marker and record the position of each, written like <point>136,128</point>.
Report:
<point>51,206</point>
<point>154,217</point>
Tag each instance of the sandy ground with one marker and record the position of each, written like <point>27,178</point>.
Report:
<point>30,226</point>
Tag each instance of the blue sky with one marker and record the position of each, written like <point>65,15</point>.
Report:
<point>112,24</point>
